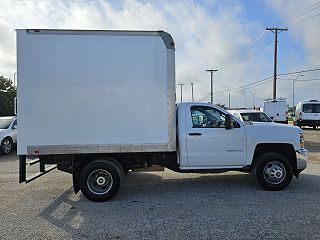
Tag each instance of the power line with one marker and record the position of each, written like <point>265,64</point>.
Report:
<point>301,12</point>
<point>290,79</point>
<point>249,57</point>
<point>238,57</point>
<point>303,71</point>
<point>245,49</point>
<point>240,88</point>
<point>258,37</point>
<point>200,78</point>
<point>305,19</point>
<point>258,83</point>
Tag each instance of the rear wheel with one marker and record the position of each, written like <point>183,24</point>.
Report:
<point>100,180</point>
<point>6,146</point>
<point>274,172</point>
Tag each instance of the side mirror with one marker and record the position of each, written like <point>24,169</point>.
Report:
<point>14,127</point>
<point>229,121</point>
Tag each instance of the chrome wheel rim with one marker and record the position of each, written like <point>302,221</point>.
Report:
<point>100,182</point>
<point>274,172</point>
<point>6,146</point>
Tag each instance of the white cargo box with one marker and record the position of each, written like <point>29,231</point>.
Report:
<point>85,91</point>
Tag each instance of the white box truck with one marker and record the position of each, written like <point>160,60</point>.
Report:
<point>277,110</point>
<point>100,103</point>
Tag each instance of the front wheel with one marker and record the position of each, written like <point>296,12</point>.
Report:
<point>6,146</point>
<point>100,180</point>
<point>274,172</point>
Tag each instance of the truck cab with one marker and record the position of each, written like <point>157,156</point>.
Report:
<point>210,139</point>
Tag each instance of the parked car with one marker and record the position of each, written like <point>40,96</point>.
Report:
<point>277,110</point>
<point>8,134</point>
<point>308,114</point>
<point>251,115</point>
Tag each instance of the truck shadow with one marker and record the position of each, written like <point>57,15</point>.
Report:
<point>145,196</point>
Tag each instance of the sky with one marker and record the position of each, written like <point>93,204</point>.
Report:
<point>228,35</point>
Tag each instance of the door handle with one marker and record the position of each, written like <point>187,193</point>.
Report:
<point>195,134</point>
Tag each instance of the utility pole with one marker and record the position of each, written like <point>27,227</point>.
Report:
<point>275,31</point>
<point>180,84</point>
<point>293,108</point>
<point>211,73</point>
<point>15,80</point>
<point>229,100</point>
<point>192,91</point>
<point>252,99</point>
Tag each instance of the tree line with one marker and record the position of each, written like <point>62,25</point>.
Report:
<point>7,95</point>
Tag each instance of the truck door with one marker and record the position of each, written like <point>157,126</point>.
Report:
<point>209,144</point>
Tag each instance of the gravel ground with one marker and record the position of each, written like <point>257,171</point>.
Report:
<point>162,205</point>
<point>312,141</point>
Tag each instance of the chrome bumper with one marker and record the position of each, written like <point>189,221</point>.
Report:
<point>302,159</point>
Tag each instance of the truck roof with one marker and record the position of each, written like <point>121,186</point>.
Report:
<point>166,37</point>
<point>310,101</point>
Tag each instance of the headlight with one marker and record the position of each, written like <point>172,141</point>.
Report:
<point>301,140</point>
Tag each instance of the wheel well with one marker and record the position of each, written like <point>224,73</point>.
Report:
<point>285,149</point>
<point>82,160</point>
<point>7,137</point>
<point>75,163</point>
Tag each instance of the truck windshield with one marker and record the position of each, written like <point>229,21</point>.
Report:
<point>5,123</point>
<point>256,117</point>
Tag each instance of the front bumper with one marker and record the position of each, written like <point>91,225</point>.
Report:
<point>310,123</point>
<point>302,159</point>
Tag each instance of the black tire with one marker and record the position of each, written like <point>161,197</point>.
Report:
<point>6,146</point>
<point>119,166</point>
<point>314,127</point>
<point>274,172</point>
<point>100,180</point>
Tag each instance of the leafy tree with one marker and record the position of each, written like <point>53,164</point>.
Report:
<point>7,95</point>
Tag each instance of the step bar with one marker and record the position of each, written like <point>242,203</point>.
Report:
<point>23,169</point>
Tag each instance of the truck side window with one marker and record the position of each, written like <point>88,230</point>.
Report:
<point>207,117</point>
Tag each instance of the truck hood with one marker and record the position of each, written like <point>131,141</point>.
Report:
<point>273,133</point>
<point>260,123</point>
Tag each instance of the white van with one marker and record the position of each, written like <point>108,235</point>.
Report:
<point>250,115</point>
<point>277,110</point>
<point>308,114</point>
